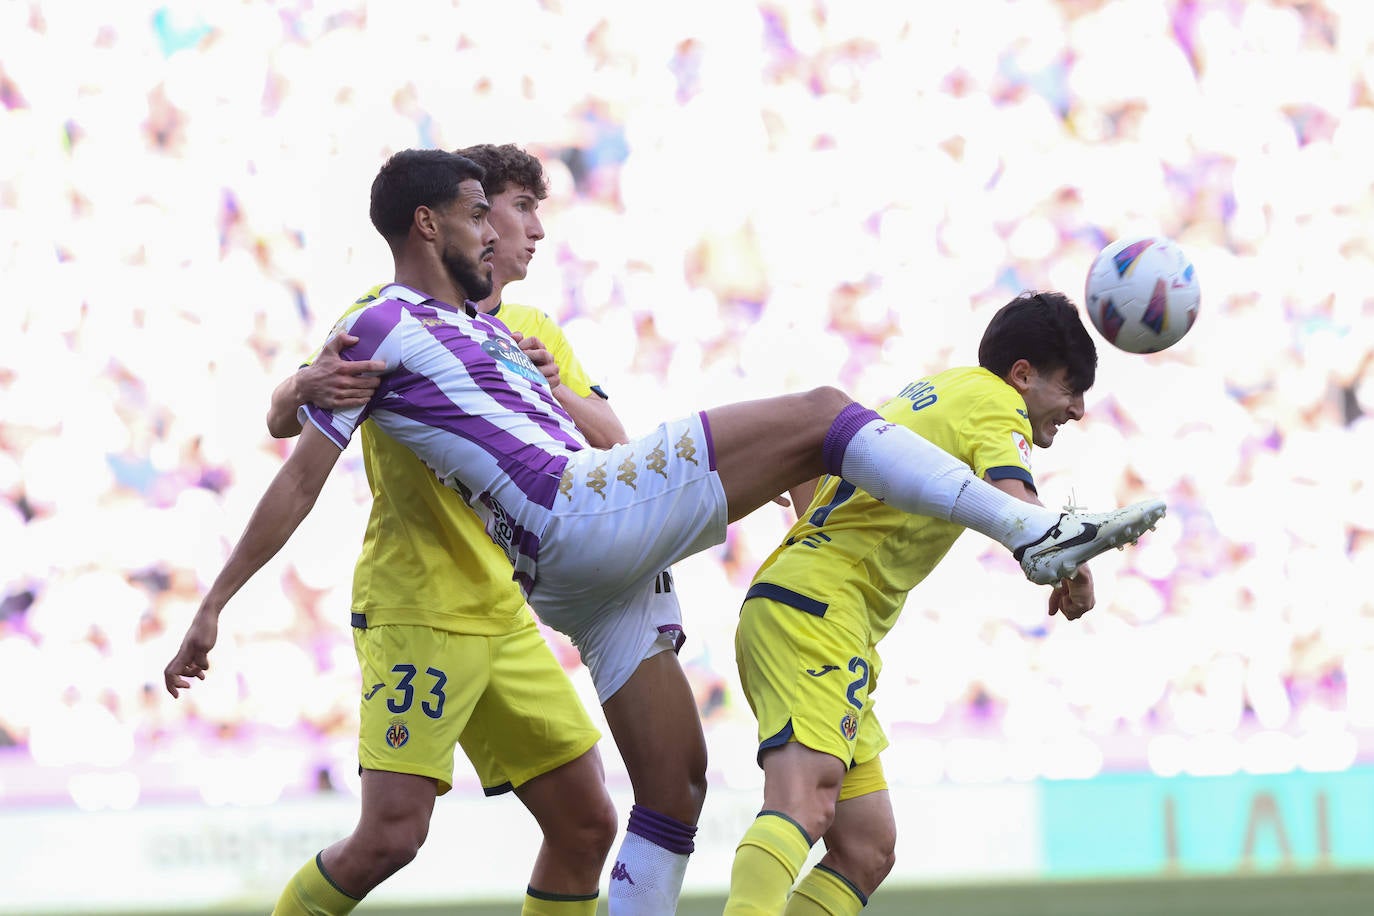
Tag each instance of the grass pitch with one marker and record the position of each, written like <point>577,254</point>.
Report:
<point>1333,893</point>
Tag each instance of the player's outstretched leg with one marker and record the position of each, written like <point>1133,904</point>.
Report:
<point>763,448</point>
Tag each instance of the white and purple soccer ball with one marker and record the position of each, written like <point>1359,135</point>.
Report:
<point>1142,294</point>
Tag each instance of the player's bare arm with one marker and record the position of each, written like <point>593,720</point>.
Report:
<point>801,495</point>
<point>329,381</point>
<point>285,504</point>
<point>1071,597</point>
<point>592,414</point>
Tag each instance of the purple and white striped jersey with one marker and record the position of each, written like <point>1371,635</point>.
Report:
<point>460,393</point>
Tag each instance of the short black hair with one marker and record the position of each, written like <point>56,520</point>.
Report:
<point>1045,330</point>
<point>507,165</point>
<point>416,178</point>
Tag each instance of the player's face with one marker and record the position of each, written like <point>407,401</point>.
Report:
<point>468,241</point>
<point>1051,402</point>
<point>515,216</point>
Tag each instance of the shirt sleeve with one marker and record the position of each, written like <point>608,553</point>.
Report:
<point>361,302</point>
<point>378,329</point>
<point>997,437</point>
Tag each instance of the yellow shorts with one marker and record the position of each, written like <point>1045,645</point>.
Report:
<point>863,779</point>
<point>809,681</point>
<point>504,699</point>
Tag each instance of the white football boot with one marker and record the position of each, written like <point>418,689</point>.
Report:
<point>1079,536</point>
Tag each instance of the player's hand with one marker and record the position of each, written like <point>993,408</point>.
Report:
<point>193,658</point>
<point>1073,597</point>
<point>543,360</point>
<point>335,383</point>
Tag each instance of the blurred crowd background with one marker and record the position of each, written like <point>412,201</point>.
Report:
<point>748,198</point>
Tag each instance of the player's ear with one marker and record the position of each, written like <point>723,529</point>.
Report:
<point>426,222</point>
<point>1020,375</point>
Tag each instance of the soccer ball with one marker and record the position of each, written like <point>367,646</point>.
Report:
<point>1142,294</point>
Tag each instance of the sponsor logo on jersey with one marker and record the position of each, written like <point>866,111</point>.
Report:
<point>508,353</point>
<point>500,525</point>
<point>822,671</point>
<point>373,692</point>
<point>1023,449</point>
<point>849,726</point>
<point>397,734</point>
<point>565,485</point>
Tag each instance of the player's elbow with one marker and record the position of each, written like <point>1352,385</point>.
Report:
<point>282,427</point>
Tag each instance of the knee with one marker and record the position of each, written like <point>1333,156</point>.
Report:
<point>583,833</point>
<point>395,845</point>
<point>880,864</point>
<point>696,786</point>
<point>866,860</point>
<point>596,830</point>
<point>827,400</point>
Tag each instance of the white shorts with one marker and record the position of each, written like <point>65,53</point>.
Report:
<point>628,630</point>
<point>624,515</point>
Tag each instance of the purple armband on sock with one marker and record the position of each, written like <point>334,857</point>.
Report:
<point>849,421</point>
<point>663,831</point>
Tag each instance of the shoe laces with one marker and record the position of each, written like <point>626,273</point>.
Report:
<point>1071,507</point>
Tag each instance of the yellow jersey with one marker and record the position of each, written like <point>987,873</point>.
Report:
<point>426,559</point>
<point>853,559</point>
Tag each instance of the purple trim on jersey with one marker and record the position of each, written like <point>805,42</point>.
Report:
<point>543,391</point>
<point>508,397</point>
<point>710,442</point>
<point>848,422</point>
<point>372,326</point>
<point>490,318</point>
<point>426,403</point>
<point>663,831</point>
<point>321,419</point>
<point>679,637</point>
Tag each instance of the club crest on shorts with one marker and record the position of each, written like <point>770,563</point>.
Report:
<point>849,726</point>
<point>397,734</point>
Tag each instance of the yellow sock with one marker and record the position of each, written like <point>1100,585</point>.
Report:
<point>767,861</point>
<point>825,893</point>
<point>310,892</point>
<point>538,903</point>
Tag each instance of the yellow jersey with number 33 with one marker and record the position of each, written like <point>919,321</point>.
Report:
<point>426,558</point>
<point>853,559</point>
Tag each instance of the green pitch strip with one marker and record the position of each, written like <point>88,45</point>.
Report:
<point>1308,894</point>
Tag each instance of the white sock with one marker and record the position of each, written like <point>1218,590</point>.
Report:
<point>646,879</point>
<point>898,467</point>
